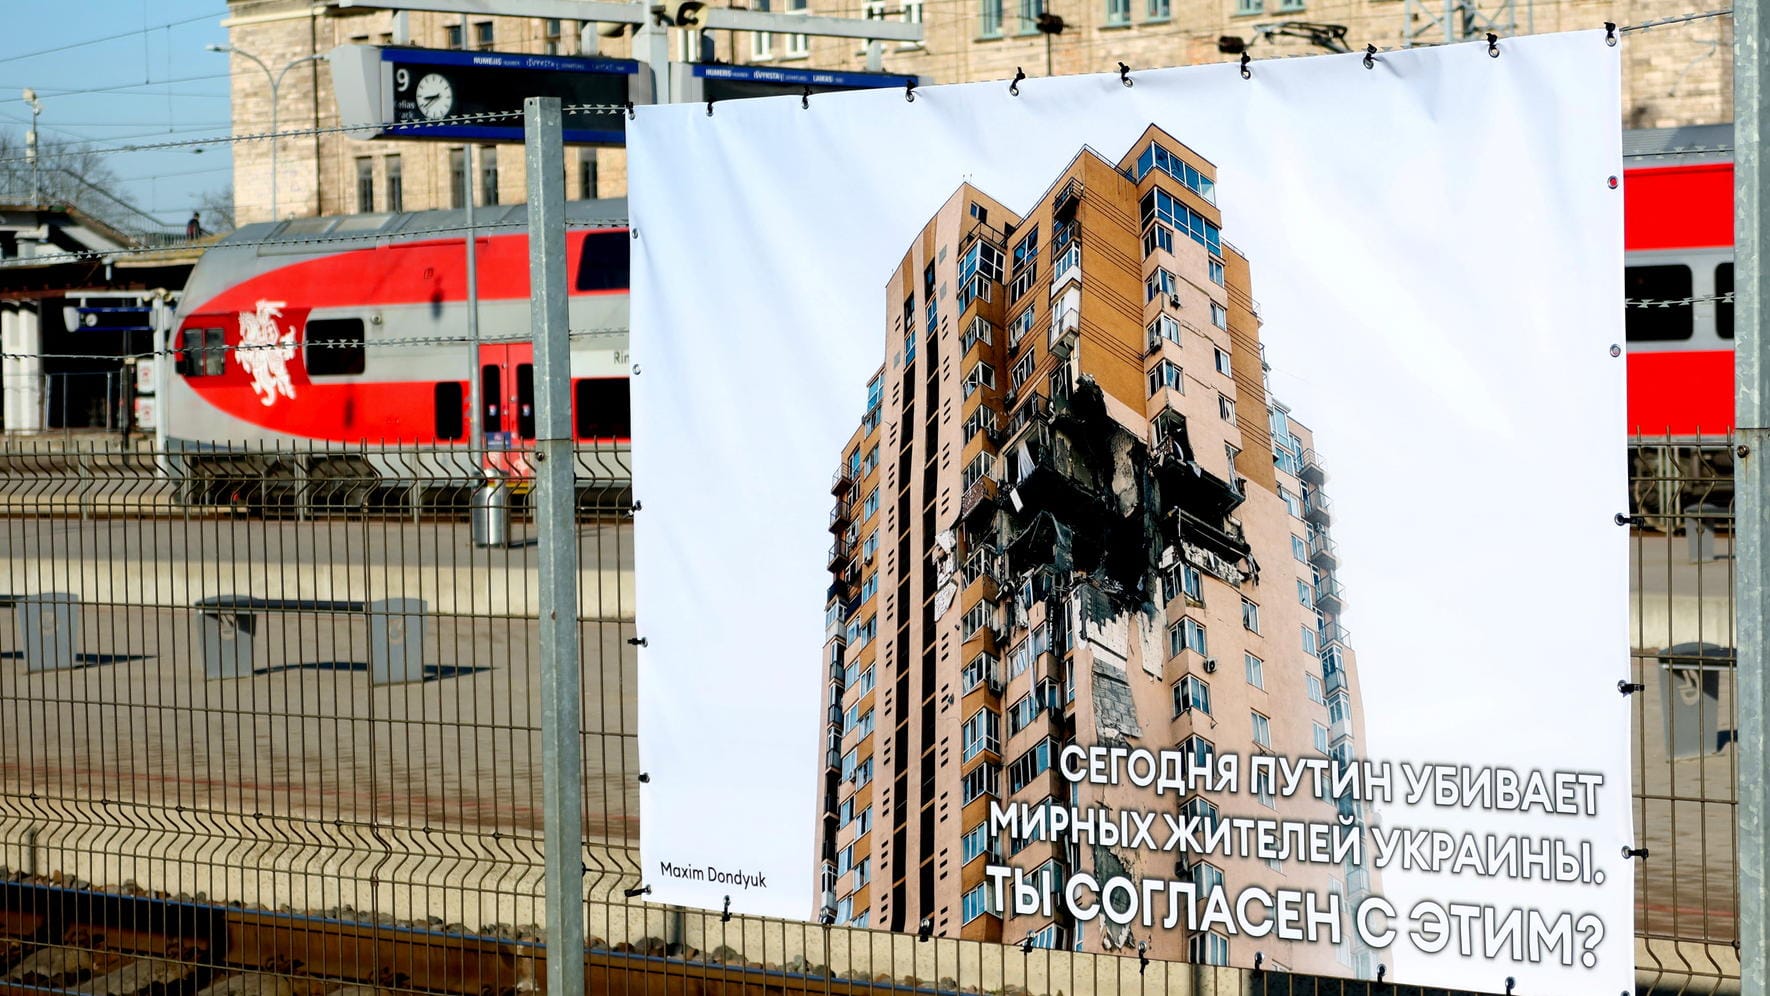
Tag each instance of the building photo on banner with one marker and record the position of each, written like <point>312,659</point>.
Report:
<point>1073,513</point>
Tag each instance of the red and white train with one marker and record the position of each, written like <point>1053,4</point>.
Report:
<point>343,349</point>
<point>340,342</point>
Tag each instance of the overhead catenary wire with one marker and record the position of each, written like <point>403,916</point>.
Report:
<point>403,342</point>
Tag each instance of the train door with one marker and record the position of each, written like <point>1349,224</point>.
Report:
<point>507,400</point>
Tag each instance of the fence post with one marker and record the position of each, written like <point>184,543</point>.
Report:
<point>556,528</point>
<point>1752,351</point>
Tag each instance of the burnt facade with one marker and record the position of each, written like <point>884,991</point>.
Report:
<point>1072,513</point>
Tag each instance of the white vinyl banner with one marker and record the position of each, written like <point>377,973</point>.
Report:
<point>1167,514</point>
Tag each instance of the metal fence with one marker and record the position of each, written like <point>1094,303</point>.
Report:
<point>269,724</point>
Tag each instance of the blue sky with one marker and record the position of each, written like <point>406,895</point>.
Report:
<point>122,72</point>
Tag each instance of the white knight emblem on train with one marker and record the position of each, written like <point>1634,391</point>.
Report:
<point>265,351</point>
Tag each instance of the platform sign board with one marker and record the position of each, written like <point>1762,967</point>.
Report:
<point>396,92</point>
<point>695,83</point>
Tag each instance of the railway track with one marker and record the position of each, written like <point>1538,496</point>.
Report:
<point>67,941</point>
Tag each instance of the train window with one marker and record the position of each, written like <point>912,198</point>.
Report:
<point>525,400</point>
<point>1668,282</point>
<point>491,395</point>
<point>1724,304</point>
<point>603,263</point>
<point>601,408</point>
<point>333,347</point>
<point>449,404</point>
<point>203,353</point>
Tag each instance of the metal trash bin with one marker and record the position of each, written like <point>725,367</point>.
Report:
<point>1690,699</point>
<point>491,514</point>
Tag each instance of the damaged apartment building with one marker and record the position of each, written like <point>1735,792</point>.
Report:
<point>1072,513</point>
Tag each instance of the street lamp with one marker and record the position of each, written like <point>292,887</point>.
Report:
<point>31,144</point>
<point>276,82</point>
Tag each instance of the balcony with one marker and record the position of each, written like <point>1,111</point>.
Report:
<point>978,498</point>
<point>1335,679</point>
<point>1067,268</point>
<point>1063,206</point>
<point>1311,471</point>
<point>841,517</point>
<point>1066,325</point>
<point>1334,637</point>
<point>1322,553</point>
<point>1327,595</point>
<point>1317,509</point>
<point>842,483</point>
<point>840,555</point>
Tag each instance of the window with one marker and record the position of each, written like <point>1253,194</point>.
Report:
<point>1159,205</point>
<point>1299,549</point>
<point>1246,7</point>
<point>1305,594</point>
<point>981,734</point>
<point>1029,16</point>
<point>1157,156</point>
<point>1668,282</point>
<point>1219,315</point>
<point>1191,693</point>
<point>864,684</point>
<point>1290,5</point>
<point>979,781</point>
<point>845,860</point>
<point>1250,616</point>
<point>989,19</point>
<point>981,420</point>
<point>601,408</point>
<point>863,773</point>
<point>1159,284</point>
<point>1314,686</point>
<point>587,174</point>
<point>1292,503</point>
<point>1118,11</point>
<point>333,347</point>
<point>1200,809</point>
<point>864,727</point>
<point>1165,327</point>
<point>981,669</point>
<point>452,36</point>
<point>1165,375</point>
<point>1723,306</point>
<point>981,375</point>
<point>872,460</point>
<point>976,903</point>
<point>912,14</point>
<point>975,842</point>
<point>863,822</point>
<point>488,174</point>
<point>981,466</point>
<point>1158,236</point>
<point>1262,730</point>
<point>1026,263</point>
<point>365,184</point>
<point>1022,372</point>
<point>869,547</point>
<point>482,35</point>
<point>761,42</point>
<point>1183,579</point>
<point>1205,877</point>
<point>1198,752</point>
<point>450,411</point>
<point>1321,737</point>
<point>845,815</point>
<point>550,35</point>
<point>1160,10</point>
<point>863,872</point>
<point>1217,272</point>
<point>457,178</point>
<point>1020,326</point>
<point>1226,409</point>
<point>1263,789</point>
<point>980,616</point>
<point>1187,634</point>
<point>797,45</point>
<point>1256,670</point>
<point>1030,765</point>
<point>844,909</point>
<point>870,507</point>
<point>396,183</point>
<point>870,586</point>
<point>204,353</point>
<point>848,762</point>
<point>1309,641</point>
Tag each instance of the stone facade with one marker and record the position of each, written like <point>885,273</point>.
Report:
<point>1673,75</point>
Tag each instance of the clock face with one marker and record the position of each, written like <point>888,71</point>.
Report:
<point>435,96</point>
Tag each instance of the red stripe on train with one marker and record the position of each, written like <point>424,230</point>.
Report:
<point>432,272</point>
<point>1683,393</point>
<point>1678,207</point>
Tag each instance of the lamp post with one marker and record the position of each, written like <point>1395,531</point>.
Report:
<point>31,145</point>
<point>276,82</point>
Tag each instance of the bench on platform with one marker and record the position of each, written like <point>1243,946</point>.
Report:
<point>396,633</point>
